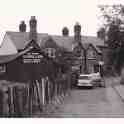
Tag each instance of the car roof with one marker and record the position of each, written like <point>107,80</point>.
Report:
<point>84,75</point>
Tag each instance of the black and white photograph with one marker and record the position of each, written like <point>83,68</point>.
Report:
<point>62,59</point>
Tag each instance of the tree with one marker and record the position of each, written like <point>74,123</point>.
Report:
<point>113,20</point>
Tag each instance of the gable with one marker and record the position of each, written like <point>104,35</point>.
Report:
<point>79,50</point>
<point>50,43</point>
<point>7,47</point>
<point>33,44</point>
<point>91,52</point>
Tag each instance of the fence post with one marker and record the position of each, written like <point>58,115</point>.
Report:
<point>30,97</point>
<point>47,90</point>
<point>10,100</point>
<point>18,101</point>
<point>3,102</point>
<point>39,94</point>
<point>43,90</point>
<point>55,88</point>
<point>27,97</point>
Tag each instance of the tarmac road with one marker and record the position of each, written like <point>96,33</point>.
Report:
<point>97,102</point>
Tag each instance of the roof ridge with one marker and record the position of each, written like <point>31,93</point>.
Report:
<point>23,32</point>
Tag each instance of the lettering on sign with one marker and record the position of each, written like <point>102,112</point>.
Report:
<point>32,57</point>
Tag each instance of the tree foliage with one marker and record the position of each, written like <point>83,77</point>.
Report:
<point>113,23</point>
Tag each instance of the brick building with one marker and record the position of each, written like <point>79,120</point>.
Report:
<point>85,51</point>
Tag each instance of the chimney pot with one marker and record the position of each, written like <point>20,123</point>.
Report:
<point>65,31</point>
<point>77,32</point>
<point>22,26</point>
<point>33,28</point>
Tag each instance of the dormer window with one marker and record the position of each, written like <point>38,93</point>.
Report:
<point>50,52</point>
<point>91,53</point>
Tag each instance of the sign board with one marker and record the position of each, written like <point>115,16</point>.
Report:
<point>32,58</point>
<point>33,64</point>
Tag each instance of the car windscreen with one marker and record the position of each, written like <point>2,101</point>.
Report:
<point>84,77</point>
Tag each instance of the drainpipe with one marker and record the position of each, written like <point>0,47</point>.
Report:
<point>85,61</point>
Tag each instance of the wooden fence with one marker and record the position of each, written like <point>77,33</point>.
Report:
<point>24,99</point>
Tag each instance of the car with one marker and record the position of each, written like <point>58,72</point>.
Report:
<point>85,81</point>
<point>90,80</point>
<point>96,79</point>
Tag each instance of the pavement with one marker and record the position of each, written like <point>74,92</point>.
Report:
<point>119,88</point>
<point>120,91</point>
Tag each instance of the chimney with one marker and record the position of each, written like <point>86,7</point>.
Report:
<point>65,31</point>
<point>33,29</point>
<point>77,32</point>
<point>101,33</point>
<point>22,27</point>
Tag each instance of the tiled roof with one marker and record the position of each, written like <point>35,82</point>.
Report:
<point>8,58</point>
<point>21,39</point>
<point>63,41</point>
<point>67,42</point>
<point>93,40</point>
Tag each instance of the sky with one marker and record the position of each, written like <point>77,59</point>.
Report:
<point>52,15</point>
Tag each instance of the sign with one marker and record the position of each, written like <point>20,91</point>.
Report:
<point>32,58</point>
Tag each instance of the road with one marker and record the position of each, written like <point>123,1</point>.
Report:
<point>97,102</point>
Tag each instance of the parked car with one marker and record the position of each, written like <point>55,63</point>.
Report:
<point>96,79</point>
<point>90,80</point>
<point>85,81</point>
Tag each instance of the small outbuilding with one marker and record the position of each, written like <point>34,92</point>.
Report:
<point>29,64</point>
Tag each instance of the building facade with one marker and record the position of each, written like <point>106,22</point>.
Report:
<point>83,51</point>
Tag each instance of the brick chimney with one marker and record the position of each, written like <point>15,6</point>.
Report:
<point>33,29</point>
<point>65,31</point>
<point>77,32</point>
<point>101,33</point>
<point>22,27</point>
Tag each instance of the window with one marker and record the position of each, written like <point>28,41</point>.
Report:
<point>50,52</point>
<point>91,53</point>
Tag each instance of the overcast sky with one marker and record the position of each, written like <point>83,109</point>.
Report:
<point>52,15</point>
